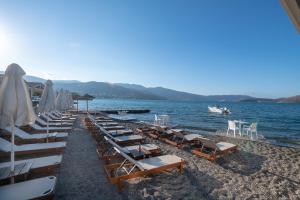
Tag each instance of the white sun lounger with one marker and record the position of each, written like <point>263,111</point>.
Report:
<point>24,135</point>
<point>44,124</point>
<point>52,116</point>
<point>32,189</point>
<point>5,147</point>
<point>45,118</point>
<point>38,164</point>
<point>51,129</point>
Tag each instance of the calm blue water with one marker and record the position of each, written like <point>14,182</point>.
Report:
<point>278,123</point>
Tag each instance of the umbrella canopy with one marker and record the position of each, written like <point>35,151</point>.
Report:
<point>60,100</point>
<point>47,102</point>
<point>15,103</point>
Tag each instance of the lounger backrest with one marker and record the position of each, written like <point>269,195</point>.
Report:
<point>39,120</point>
<point>116,145</point>
<point>208,143</point>
<point>18,132</point>
<point>5,145</point>
<point>178,134</point>
<point>129,158</point>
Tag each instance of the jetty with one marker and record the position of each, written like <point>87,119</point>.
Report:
<point>117,111</point>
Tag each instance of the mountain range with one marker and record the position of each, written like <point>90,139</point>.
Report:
<point>135,91</point>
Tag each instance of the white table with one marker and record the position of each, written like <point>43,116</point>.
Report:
<point>240,125</point>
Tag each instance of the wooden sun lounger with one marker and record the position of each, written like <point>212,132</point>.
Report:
<point>38,165</point>
<point>22,137</point>
<point>107,123</point>
<point>211,150</point>
<point>131,168</point>
<point>40,188</point>
<point>108,128</point>
<point>120,132</point>
<point>136,151</point>
<point>28,149</point>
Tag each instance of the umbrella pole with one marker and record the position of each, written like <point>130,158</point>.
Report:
<point>47,128</point>
<point>12,154</point>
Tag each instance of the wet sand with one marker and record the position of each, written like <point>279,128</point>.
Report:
<point>257,171</point>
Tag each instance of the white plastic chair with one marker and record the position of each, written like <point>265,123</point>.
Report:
<point>252,129</point>
<point>232,127</point>
<point>157,120</point>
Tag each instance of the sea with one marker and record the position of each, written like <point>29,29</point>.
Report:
<point>278,123</point>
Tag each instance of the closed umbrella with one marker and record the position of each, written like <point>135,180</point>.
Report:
<point>59,101</point>
<point>47,101</point>
<point>15,103</point>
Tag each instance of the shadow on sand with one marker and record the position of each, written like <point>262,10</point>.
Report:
<point>242,162</point>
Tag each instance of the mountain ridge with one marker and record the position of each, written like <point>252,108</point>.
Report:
<point>135,91</point>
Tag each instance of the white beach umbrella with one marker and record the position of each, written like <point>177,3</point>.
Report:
<point>47,102</point>
<point>59,101</point>
<point>15,104</point>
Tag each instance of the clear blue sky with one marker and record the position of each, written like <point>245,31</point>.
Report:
<point>201,46</point>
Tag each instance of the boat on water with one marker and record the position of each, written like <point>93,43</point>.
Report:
<point>217,109</point>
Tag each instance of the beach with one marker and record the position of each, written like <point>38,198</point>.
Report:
<point>257,171</point>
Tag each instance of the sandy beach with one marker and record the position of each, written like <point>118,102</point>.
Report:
<point>257,171</point>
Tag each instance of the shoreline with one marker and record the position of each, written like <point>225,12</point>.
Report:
<point>257,170</point>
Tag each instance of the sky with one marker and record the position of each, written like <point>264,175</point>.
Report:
<point>202,46</point>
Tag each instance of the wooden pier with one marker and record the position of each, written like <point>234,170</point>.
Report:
<point>117,111</point>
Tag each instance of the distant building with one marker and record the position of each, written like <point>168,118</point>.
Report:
<point>292,8</point>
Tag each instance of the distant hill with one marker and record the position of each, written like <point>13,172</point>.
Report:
<point>105,90</point>
<point>182,96</point>
<point>293,99</point>
<point>135,91</point>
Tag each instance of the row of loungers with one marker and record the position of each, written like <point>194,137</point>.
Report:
<point>32,145</point>
<point>126,155</point>
<point>203,147</point>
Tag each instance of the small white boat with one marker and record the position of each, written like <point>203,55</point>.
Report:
<point>219,110</point>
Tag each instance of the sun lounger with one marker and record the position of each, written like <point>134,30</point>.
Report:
<point>23,137</point>
<point>108,128</point>
<point>211,150</point>
<point>120,132</point>
<point>45,118</point>
<point>54,117</point>
<point>136,151</point>
<point>40,188</point>
<point>27,149</point>
<point>128,139</point>
<point>38,165</point>
<point>58,124</point>
<point>119,172</point>
<point>38,128</point>
<point>107,123</point>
